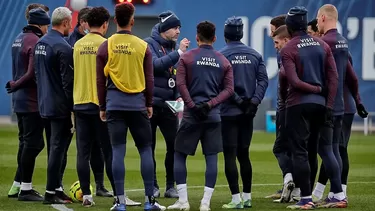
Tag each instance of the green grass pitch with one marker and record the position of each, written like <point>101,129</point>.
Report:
<point>266,175</point>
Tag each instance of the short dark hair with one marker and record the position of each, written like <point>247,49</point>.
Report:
<point>282,32</point>
<point>123,13</point>
<point>97,16</point>
<point>278,21</point>
<point>82,14</point>
<point>34,6</point>
<point>313,24</point>
<point>206,31</point>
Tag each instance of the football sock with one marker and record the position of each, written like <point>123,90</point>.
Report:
<point>207,195</point>
<point>236,198</point>
<point>182,192</point>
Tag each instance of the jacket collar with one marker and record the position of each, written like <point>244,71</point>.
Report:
<point>33,29</point>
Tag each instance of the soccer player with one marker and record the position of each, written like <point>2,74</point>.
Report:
<point>89,127</point>
<point>312,28</point>
<point>327,18</point>
<point>53,64</point>
<point>281,147</point>
<point>351,100</point>
<point>164,56</point>
<point>16,186</point>
<point>125,98</point>
<point>306,111</point>
<point>25,102</point>
<point>275,23</point>
<point>205,80</point>
<point>237,113</point>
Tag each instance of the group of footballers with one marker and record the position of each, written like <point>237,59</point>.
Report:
<point>317,99</point>
<point>120,83</point>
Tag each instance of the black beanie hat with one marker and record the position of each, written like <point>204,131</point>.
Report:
<point>296,20</point>
<point>168,20</point>
<point>39,17</point>
<point>233,29</point>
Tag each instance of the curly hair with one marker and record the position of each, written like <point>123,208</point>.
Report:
<point>97,16</point>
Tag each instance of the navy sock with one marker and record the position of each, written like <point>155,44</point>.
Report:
<point>331,167</point>
<point>211,170</point>
<point>147,169</point>
<point>118,167</point>
<point>179,167</point>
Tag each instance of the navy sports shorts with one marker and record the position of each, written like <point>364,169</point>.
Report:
<point>189,134</point>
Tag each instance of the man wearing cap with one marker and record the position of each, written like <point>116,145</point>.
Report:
<point>238,112</point>
<point>53,64</point>
<point>165,57</point>
<point>81,29</point>
<point>25,102</point>
<point>307,59</point>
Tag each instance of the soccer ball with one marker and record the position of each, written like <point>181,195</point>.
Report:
<point>75,192</point>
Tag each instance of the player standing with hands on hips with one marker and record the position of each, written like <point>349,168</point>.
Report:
<point>162,44</point>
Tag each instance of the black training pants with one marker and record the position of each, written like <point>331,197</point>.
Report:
<point>90,129</point>
<point>59,140</point>
<point>237,132</point>
<point>168,124</point>
<point>301,121</point>
<point>32,136</point>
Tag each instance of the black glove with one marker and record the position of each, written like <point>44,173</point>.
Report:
<point>201,111</point>
<point>362,111</point>
<point>8,87</point>
<point>324,92</point>
<point>245,106</point>
<point>249,108</point>
<point>328,118</point>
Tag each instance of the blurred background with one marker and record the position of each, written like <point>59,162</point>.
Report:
<point>356,22</point>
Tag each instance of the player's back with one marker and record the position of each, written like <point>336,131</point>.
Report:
<point>84,88</point>
<point>307,55</point>
<point>53,55</point>
<point>206,73</point>
<point>24,98</point>
<point>339,48</point>
<point>247,63</point>
<point>205,70</point>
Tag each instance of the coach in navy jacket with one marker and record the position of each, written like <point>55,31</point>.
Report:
<point>53,64</point>
<point>165,57</point>
<point>25,102</point>
<point>250,85</point>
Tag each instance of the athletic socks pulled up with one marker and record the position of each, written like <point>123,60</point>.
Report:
<point>319,191</point>
<point>207,195</point>
<point>182,192</point>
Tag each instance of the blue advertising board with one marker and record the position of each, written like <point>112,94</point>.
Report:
<point>356,22</point>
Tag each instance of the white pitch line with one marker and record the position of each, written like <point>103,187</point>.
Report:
<point>254,185</point>
<point>61,207</point>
